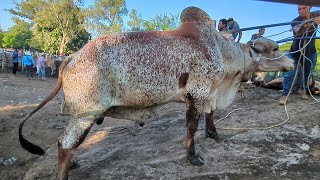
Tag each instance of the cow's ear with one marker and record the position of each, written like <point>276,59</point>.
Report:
<point>257,48</point>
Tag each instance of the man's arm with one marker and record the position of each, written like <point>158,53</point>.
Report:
<point>301,29</point>
<point>233,26</point>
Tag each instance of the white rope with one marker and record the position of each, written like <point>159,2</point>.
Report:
<point>299,50</point>
<point>291,87</point>
<point>226,116</point>
<point>309,75</point>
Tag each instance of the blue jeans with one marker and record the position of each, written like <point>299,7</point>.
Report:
<point>41,72</point>
<point>301,82</point>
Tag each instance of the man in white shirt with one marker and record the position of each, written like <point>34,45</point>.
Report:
<point>222,27</point>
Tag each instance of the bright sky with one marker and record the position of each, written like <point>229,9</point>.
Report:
<point>247,13</point>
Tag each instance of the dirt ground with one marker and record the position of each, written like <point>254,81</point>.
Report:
<point>119,149</point>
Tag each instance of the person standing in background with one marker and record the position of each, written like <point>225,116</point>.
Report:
<point>41,67</point>
<point>259,34</point>
<point>222,27</point>
<point>28,62</point>
<point>15,61</point>
<point>232,26</point>
<point>300,30</point>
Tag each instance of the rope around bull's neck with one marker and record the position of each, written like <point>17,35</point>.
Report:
<point>302,55</point>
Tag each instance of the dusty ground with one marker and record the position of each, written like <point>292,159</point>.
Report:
<point>118,149</point>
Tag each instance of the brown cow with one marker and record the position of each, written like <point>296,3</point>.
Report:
<point>50,63</point>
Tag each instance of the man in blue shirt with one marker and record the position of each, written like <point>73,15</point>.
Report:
<point>15,61</point>
<point>233,25</point>
<point>28,62</point>
<point>299,30</point>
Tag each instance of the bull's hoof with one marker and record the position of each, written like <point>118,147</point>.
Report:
<point>213,135</point>
<point>196,160</point>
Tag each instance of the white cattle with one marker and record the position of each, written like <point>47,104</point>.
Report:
<point>128,75</point>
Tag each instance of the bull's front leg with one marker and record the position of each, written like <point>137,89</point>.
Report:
<point>210,129</point>
<point>192,117</point>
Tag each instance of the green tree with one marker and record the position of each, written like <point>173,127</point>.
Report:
<point>135,22</point>
<point>59,22</point>
<point>105,17</point>
<point>18,36</point>
<point>161,22</point>
<point>1,37</point>
<point>285,47</point>
<point>55,22</point>
<point>77,43</point>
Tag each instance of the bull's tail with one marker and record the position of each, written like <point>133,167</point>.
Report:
<point>32,148</point>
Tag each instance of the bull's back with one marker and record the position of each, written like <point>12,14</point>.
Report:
<point>131,71</point>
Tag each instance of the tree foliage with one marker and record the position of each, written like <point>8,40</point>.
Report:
<point>159,22</point>
<point>27,9</point>
<point>61,26</point>
<point>162,22</point>
<point>55,22</point>
<point>77,43</point>
<point>1,37</point>
<point>135,22</point>
<point>58,24</point>
<point>105,16</point>
<point>286,47</point>
<point>18,36</point>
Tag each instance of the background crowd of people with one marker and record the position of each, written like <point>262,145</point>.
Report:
<point>30,63</point>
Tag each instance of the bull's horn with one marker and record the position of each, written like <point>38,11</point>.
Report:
<point>258,48</point>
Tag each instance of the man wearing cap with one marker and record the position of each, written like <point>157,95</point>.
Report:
<point>28,62</point>
<point>233,25</point>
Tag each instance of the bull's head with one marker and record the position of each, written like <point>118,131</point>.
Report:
<point>269,56</point>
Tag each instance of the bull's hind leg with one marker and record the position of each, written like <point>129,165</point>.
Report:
<point>211,130</point>
<point>192,117</point>
<point>74,135</point>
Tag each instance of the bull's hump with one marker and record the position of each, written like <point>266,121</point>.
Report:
<point>194,14</point>
<point>186,30</point>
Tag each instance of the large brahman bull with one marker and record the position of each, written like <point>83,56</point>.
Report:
<point>127,75</point>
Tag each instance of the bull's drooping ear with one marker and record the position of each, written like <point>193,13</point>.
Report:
<point>194,14</point>
<point>258,48</point>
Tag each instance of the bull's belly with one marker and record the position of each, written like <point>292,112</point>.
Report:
<point>140,106</point>
<point>139,115</point>
<point>144,98</point>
